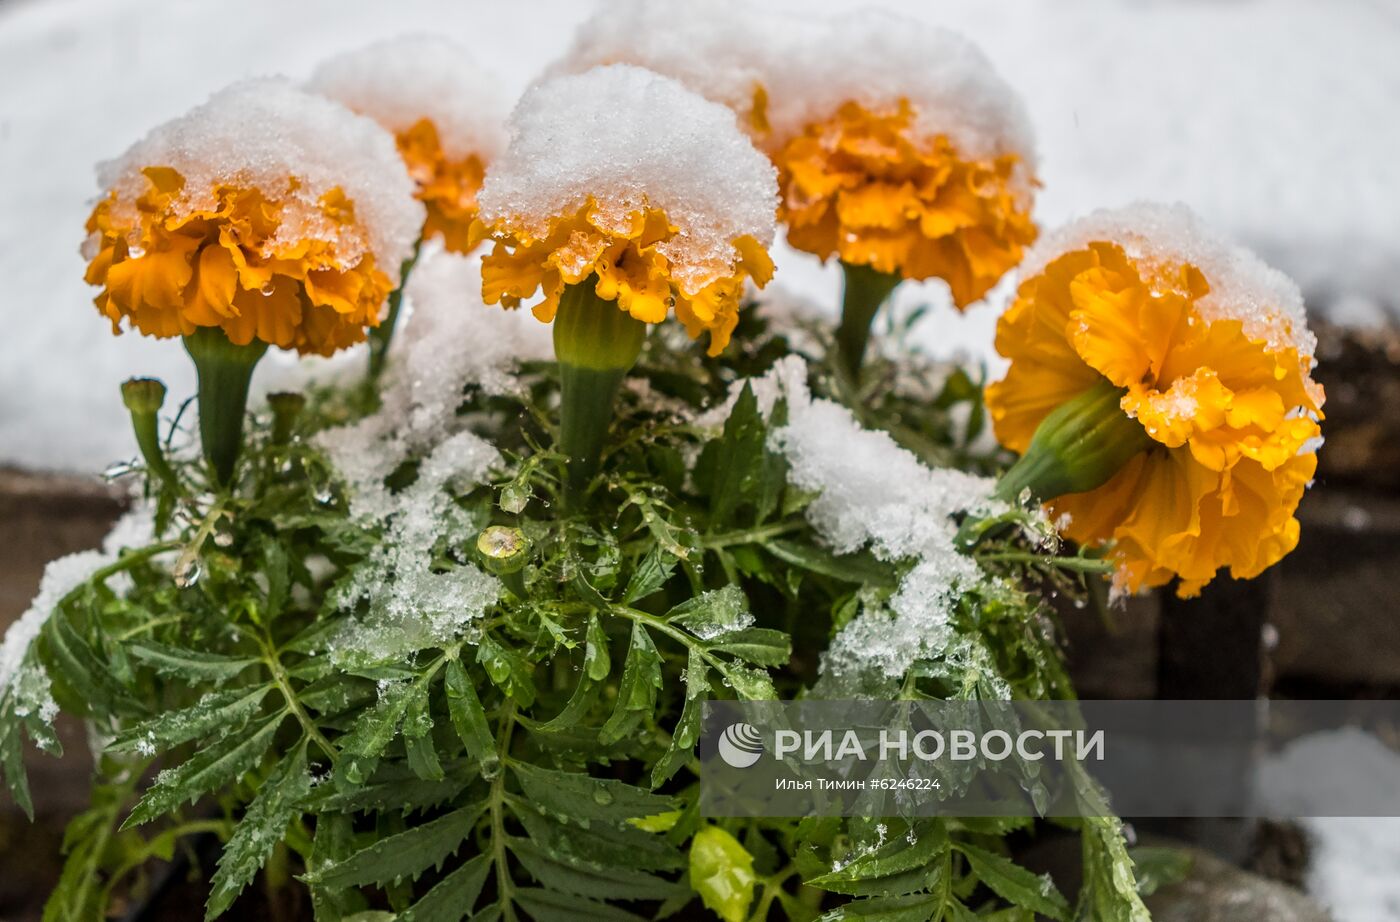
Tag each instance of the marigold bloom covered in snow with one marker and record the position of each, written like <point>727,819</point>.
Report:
<point>1212,354</point>
<point>898,146</point>
<point>267,212</point>
<point>447,117</point>
<point>625,180</point>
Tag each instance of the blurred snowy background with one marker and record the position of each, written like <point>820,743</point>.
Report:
<point>1275,119</point>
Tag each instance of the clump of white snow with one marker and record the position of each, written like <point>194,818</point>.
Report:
<point>450,342</point>
<point>1353,859</point>
<point>871,493</point>
<point>630,140</point>
<point>721,49</point>
<point>808,67</point>
<point>400,81</point>
<point>62,576</point>
<point>265,133</point>
<point>1242,286</point>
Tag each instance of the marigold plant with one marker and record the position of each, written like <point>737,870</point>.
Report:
<point>1206,358</point>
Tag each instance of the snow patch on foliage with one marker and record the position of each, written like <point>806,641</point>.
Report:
<point>629,139</point>
<point>1243,287</point>
<point>873,494</point>
<point>263,134</point>
<point>61,576</point>
<point>400,81</point>
<point>450,343</point>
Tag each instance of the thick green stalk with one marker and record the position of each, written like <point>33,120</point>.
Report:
<point>1078,447</point>
<point>866,289</point>
<point>596,344</point>
<point>225,370</point>
<point>382,336</point>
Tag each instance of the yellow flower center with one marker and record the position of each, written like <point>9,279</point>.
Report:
<point>235,264</point>
<point>1233,421</point>
<point>627,259</point>
<point>447,188</point>
<point>864,186</point>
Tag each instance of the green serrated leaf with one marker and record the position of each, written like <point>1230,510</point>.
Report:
<point>687,731</point>
<point>584,876</point>
<point>508,670</point>
<point>895,868</point>
<point>374,728</point>
<point>636,693</point>
<point>626,843</point>
<point>469,719</point>
<point>83,670</point>
<point>277,802</point>
<point>1014,883</point>
<point>549,906</point>
<point>918,907</point>
<point>714,614</point>
<point>402,856</point>
<point>394,787</point>
<point>12,765</point>
<point>757,645</point>
<point>576,797</point>
<point>860,568</point>
<point>190,664</point>
<point>207,770</point>
<point>738,460</point>
<point>1160,866</point>
<point>452,898</point>
<point>721,871</point>
<point>651,574</point>
<point>218,713</point>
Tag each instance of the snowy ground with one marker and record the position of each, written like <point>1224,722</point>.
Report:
<point>1277,119</point>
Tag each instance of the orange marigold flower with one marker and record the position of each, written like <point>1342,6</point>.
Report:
<point>446,116</point>
<point>657,201</point>
<point>1213,357</point>
<point>269,213</point>
<point>863,185</point>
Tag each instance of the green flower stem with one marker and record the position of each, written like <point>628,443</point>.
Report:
<point>596,344</point>
<point>1079,446</point>
<point>143,398</point>
<point>866,290</point>
<point>225,369</point>
<point>382,336</point>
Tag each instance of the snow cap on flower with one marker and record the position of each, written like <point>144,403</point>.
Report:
<point>271,213</point>
<point>900,148</point>
<point>1213,354</point>
<point>721,49</point>
<point>446,114</point>
<point>623,179</point>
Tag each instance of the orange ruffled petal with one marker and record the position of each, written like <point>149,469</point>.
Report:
<point>1234,422</point>
<point>621,254</point>
<point>864,187</point>
<point>168,271</point>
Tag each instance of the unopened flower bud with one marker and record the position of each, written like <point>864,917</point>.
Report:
<point>504,552</point>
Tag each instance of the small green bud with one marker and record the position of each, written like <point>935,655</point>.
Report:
<point>504,552</point>
<point>143,395</point>
<point>1079,446</point>
<point>504,549</point>
<point>286,408</point>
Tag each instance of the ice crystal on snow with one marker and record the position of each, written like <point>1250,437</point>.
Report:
<point>295,147</point>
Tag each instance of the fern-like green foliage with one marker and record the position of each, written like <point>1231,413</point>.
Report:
<point>542,764</point>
